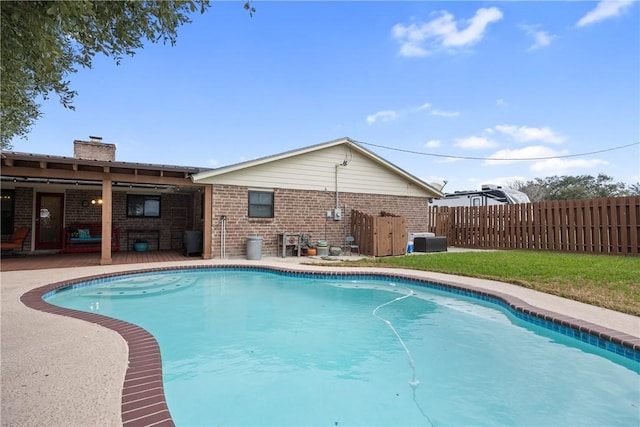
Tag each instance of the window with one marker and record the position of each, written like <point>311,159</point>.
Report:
<point>8,197</point>
<point>260,204</point>
<point>143,206</point>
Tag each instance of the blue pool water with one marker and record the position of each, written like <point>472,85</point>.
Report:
<point>249,348</point>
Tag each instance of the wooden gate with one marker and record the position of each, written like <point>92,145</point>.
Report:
<point>379,235</point>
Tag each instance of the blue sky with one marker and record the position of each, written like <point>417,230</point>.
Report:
<point>416,81</point>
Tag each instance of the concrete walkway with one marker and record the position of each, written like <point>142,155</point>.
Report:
<point>57,371</point>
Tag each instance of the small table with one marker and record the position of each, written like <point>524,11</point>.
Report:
<point>143,232</point>
<point>289,240</point>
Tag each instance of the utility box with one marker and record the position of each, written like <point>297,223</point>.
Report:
<point>430,244</point>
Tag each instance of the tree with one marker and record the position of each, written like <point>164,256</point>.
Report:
<point>533,189</point>
<point>43,42</point>
<point>573,187</point>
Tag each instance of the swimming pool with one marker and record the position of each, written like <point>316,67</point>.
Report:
<point>318,350</point>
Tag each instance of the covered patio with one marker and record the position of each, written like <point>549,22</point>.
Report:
<point>121,202</point>
<point>23,262</point>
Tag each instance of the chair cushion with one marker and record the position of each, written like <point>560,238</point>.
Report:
<point>84,233</point>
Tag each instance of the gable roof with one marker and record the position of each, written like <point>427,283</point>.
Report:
<point>204,175</point>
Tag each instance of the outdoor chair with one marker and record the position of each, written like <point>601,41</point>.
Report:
<point>350,246</point>
<point>17,240</point>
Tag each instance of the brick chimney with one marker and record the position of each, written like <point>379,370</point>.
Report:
<point>94,149</point>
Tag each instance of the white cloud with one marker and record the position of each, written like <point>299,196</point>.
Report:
<point>474,143</point>
<point>443,32</point>
<point>389,115</point>
<point>477,183</point>
<point>533,151</point>
<point>501,102</point>
<point>551,166</point>
<point>433,143</point>
<point>528,134</point>
<point>447,160</point>
<point>562,166</point>
<point>445,113</point>
<point>540,38</point>
<point>384,116</point>
<point>604,10</point>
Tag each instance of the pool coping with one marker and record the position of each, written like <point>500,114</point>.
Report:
<point>143,401</point>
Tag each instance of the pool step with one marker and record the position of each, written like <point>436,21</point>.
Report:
<point>141,286</point>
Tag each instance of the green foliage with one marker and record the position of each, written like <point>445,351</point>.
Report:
<point>249,8</point>
<point>43,42</point>
<point>602,280</point>
<point>573,187</point>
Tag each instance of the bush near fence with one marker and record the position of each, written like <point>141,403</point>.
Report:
<point>597,226</point>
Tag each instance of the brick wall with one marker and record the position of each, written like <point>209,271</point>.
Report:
<point>23,208</point>
<point>75,212</point>
<point>94,150</point>
<point>301,212</point>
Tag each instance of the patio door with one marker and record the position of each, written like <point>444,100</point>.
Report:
<point>49,211</point>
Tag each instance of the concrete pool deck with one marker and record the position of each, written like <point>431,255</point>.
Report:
<point>59,371</point>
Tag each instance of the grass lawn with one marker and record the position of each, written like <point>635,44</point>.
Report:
<point>606,281</point>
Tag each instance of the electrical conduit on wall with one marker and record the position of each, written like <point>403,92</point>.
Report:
<point>223,235</point>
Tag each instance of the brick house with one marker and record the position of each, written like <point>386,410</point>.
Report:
<point>310,190</point>
<point>300,191</point>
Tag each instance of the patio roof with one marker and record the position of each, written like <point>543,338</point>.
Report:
<point>38,167</point>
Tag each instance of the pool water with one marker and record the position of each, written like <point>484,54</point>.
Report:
<point>249,348</point>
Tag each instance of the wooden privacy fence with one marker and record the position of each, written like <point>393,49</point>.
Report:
<point>379,235</point>
<point>603,226</point>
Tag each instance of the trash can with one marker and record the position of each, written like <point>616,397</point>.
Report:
<point>254,247</point>
<point>192,242</point>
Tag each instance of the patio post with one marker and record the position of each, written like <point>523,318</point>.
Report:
<point>107,209</point>
<point>207,224</point>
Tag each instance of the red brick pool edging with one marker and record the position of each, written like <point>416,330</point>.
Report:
<point>143,400</point>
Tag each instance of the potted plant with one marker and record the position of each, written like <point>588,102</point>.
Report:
<point>140,245</point>
<point>323,248</point>
<point>308,248</point>
<point>311,249</point>
<point>335,250</point>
